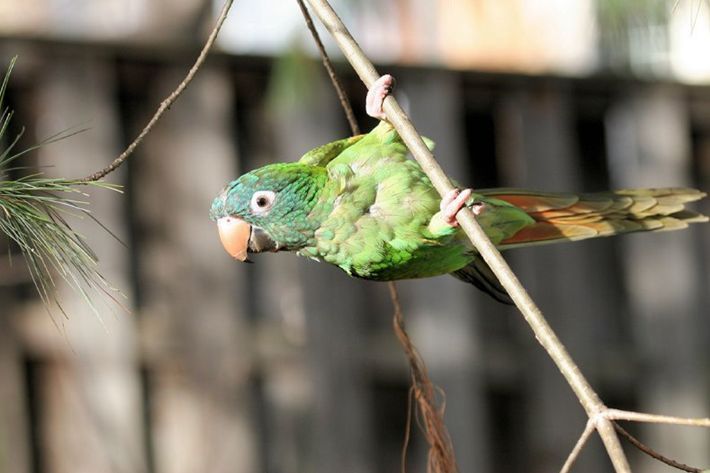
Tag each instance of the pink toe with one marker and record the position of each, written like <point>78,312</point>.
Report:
<point>448,198</point>
<point>478,208</point>
<point>379,90</point>
<point>463,197</point>
<point>453,202</point>
<point>385,81</point>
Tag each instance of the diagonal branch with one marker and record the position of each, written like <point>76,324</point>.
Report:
<point>548,339</point>
<point>165,104</point>
<point>588,430</point>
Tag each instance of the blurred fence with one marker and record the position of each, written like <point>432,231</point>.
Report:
<point>288,366</point>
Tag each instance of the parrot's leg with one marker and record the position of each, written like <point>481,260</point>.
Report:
<point>380,89</point>
<point>453,202</point>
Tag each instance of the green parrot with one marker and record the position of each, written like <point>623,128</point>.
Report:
<point>362,205</point>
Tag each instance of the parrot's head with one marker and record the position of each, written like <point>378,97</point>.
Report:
<point>268,209</point>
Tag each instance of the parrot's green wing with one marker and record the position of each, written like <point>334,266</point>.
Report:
<point>322,155</point>
<point>382,142</point>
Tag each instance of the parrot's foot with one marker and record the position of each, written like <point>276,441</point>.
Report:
<point>380,89</point>
<point>453,202</point>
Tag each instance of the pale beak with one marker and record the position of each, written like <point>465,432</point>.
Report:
<point>234,233</point>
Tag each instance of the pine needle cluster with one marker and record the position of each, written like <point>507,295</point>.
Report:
<point>33,216</point>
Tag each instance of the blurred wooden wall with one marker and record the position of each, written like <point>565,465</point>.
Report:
<point>288,366</point>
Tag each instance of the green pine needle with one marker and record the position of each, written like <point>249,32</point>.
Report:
<point>32,215</point>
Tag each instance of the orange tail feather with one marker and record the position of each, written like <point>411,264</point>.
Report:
<point>576,217</point>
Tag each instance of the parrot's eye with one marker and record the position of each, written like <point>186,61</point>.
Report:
<point>262,201</point>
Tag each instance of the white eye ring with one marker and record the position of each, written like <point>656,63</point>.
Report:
<point>262,201</point>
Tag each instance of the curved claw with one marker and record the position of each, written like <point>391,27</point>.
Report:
<point>380,89</point>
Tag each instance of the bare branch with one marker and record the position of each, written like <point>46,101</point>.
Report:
<point>588,430</point>
<point>165,104</point>
<point>616,414</point>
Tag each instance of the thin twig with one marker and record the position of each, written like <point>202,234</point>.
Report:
<point>339,89</point>
<point>654,454</point>
<point>441,453</point>
<point>616,414</point>
<point>588,430</point>
<point>165,104</point>
<point>548,339</point>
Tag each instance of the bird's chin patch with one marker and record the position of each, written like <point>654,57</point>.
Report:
<point>260,241</point>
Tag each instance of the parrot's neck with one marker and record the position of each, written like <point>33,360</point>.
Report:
<point>318,213</point>
<point>295,228</point>
<point>307,229</point>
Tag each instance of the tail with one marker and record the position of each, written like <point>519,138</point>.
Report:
<point>569,217</point>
